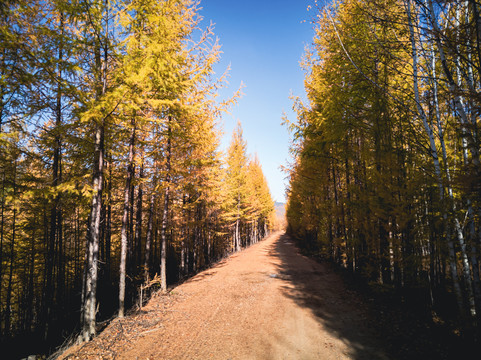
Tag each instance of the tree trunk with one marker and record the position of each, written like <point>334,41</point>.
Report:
<point>434,155</point>
<point>237,235</point>
<point>165,215</point>
<point>89,308</point>
<point>2,228</point>
<point>237,225</point>
<point>183,238</point>
<point>8,309</point>
<point>90,293</point>
<point>148,239</point>
<point>29,301</point>
<point>453,88</point>
<point>125,220</point>
<point>55,213</point>
<point>108,227</point>
<point>138,216</point>
<point>130,231</point>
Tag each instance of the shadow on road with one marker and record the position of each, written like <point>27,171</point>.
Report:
<point>317,287</point>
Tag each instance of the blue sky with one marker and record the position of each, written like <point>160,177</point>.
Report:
<point>263,41</point>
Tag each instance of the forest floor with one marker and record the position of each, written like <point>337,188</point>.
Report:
<point>266,302</point>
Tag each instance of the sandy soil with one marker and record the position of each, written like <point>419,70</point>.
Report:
<point>267,302</point>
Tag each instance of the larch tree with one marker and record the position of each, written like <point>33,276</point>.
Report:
<point>110,168</point>
<point>237,163</point>
<point>375,148</point>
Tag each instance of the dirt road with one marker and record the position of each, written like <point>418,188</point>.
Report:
<point>267,302</point>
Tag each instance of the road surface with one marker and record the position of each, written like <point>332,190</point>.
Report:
<point>266,302</point>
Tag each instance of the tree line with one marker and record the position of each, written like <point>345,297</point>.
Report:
<point>385,177</point>
<point>110,168</point>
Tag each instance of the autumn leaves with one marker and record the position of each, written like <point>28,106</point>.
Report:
<point>110,165</point>
<point>386,173</point>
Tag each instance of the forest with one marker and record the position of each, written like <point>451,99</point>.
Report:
<point>111,172</point>
<point>385,172</point>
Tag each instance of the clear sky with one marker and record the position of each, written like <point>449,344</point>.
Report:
<point>263,41</point>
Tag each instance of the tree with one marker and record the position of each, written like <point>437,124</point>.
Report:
<point>108,116</point>
<point>237,181</point>
<point>371,186</point>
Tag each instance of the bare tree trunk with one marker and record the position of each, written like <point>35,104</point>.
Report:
<point>30,291</point>
<point>209,247</point>
<point>89,306</point>
<point>148,239</point>
<point>165,215</point>
<point>475,238</point>
<point>434,155</point>
<point>453,88</point>
<point>477,26</point>
<point>2,229</point>
<point>55,213</point>
<point>237,235</point>
<point>108,226</point>
<point>130,231</point>
<point>237,226</point>
<point>125,220</point>
<point>138,216</point>
<point>8,309</point>
<point>84,277</point>
<point>93,242</point>
<point>57,175</point>
<point>184,237</point>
